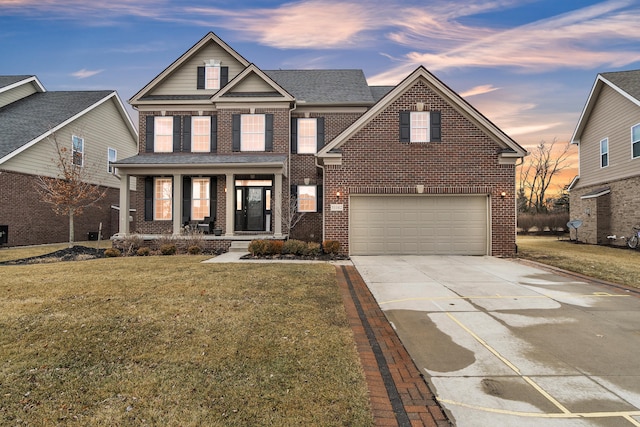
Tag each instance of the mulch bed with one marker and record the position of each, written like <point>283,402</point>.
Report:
<point>75,253</point>
<point>323,257</point>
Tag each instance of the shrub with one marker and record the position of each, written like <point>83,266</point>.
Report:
<point>294,247</point>
<point>312,249</point>
<point>143,251</point>
<point>331,247</point>
<point>112,253</point>
<point>194,250</point>
<point>193,237</point>
<point>258,247</point>
<point>168,249</point>
<point>275,247</point>
<point>131,243</point>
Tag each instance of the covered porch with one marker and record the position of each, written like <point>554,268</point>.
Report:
<point>241,195</point>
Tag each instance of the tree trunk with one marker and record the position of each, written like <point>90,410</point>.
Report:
<point>71,230</point>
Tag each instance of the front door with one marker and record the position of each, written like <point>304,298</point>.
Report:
<point>253,206</point>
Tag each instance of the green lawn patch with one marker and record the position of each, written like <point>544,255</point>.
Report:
<point>617,265</point>
<point>171,341</point>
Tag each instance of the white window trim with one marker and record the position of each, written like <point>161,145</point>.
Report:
<point>193,134</point>
<point>110,167</point>
<point>74,151</point>
<point>156,199</point>
<point>299,198</point>
<point>603,153</point>
<point>208,65</point>
<point>314,147</point>
<point>156,134</point>
<point>634,142</point>
<point>194,198</point>
<point>243,133</point>
<point>427,127</point>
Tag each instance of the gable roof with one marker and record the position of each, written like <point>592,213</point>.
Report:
<point>33,118</point>
<point>626,83</point>
<point>227,91</point>
<point>510,148</point>
<point>209,37</point>
<point>313,87</point>
<point>9,82</point>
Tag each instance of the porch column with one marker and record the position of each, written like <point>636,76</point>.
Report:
<point>230,211</point>
<point>177,203</point>
<point>277,227</point>
<point>123,217</point>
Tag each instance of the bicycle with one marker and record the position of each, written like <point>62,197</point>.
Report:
<point>632,241</point>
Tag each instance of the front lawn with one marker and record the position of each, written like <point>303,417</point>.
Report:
<point>617,265</point>
<point>171,341</point>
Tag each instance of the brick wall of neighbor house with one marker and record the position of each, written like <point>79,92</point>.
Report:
<point>465,162</point>
<point>32,222</point>
<point>624,212</point>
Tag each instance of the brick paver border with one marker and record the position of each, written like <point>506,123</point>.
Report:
<point>398,393</point>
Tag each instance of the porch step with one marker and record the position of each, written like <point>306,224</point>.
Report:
<point>239,246</point>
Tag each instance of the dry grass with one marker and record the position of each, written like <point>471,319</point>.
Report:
<point>617,265</point>
<point>9,254</point>
<point>170,341</point>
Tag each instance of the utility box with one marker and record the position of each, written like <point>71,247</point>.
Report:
<point>4,234</point>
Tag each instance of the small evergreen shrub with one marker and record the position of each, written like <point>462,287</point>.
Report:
<point>294,247</point>
<point>168,249</point>
<point>258,247</point>
<point>275,247</point>
<point>194,250</point>
<point>331,247</point>
<point>143,251</point>
<point>312,249</point>
<point>112,253</point>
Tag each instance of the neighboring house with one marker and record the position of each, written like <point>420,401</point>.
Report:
<point>410,169</point>
<point>605,193</point>
<point>93,125</point>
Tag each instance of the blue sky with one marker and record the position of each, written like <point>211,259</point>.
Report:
<point>528,65</point>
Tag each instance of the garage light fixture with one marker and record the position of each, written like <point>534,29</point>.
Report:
<point>503,194</point>
<point>338,194</point>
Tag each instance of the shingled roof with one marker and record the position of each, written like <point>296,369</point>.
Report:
<point>325,86</point>
<point>628,81</point>
<point>33,116</point>
<point>9,80</point>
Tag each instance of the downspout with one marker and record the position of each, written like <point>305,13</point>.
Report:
<point>324,192</point>
<point>288,204</point>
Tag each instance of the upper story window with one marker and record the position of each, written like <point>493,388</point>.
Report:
<point>604,153</point>
<point>112,156</point>
<point>307,198</point>
<point>307,136</point>
<point>212,75</point>
<point>201,134</point>
<point>77,150</point>
<point>252,132</point>
<point>163,134</point>
<point>635,140</point>
<point>162,199</point>
<point>420,126</point>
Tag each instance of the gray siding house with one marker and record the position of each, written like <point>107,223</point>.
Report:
<point>93,125</point>
<point>605,193</point>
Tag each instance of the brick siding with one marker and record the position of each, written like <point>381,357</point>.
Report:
<point>32,222</point>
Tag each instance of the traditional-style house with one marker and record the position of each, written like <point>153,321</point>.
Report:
<point>247,153</point>
<point>92,125</point>
<point>604,196</point>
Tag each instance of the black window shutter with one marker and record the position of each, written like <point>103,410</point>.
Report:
<point>235,130</point>
<point>294,191</point>
<point>294,135</point>
<point>176,134</point>
<point>186,199</point>
<point>149,134</point>
<point>224,76</point>
<point>214,134</point>
<point>319,198</point>
<point>436,126</point>
<point>319,133</point>
<point>186,134</point>
<point>148,198</point>
<point>213,199</point>
<point>268,132</point>
<point>405,126</point>
<point>200,84</point>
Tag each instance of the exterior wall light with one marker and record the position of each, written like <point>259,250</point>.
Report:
<point>503,194</point>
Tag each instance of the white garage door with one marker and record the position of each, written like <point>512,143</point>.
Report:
<point>421,225</point>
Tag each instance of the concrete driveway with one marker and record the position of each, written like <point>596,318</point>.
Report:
<point>505,344</point>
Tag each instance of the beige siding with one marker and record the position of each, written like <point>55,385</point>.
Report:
<point>252,83</point>
<point>612,118</point>
<point>16,93</point>
<point>101,128</point>
<point>183,81</point>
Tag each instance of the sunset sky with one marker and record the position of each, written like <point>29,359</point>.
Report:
<point>528,65</point>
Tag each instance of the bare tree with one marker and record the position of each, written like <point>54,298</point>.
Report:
<point>292,217</point>
<point>536,175</point>
<point>70,192</point>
